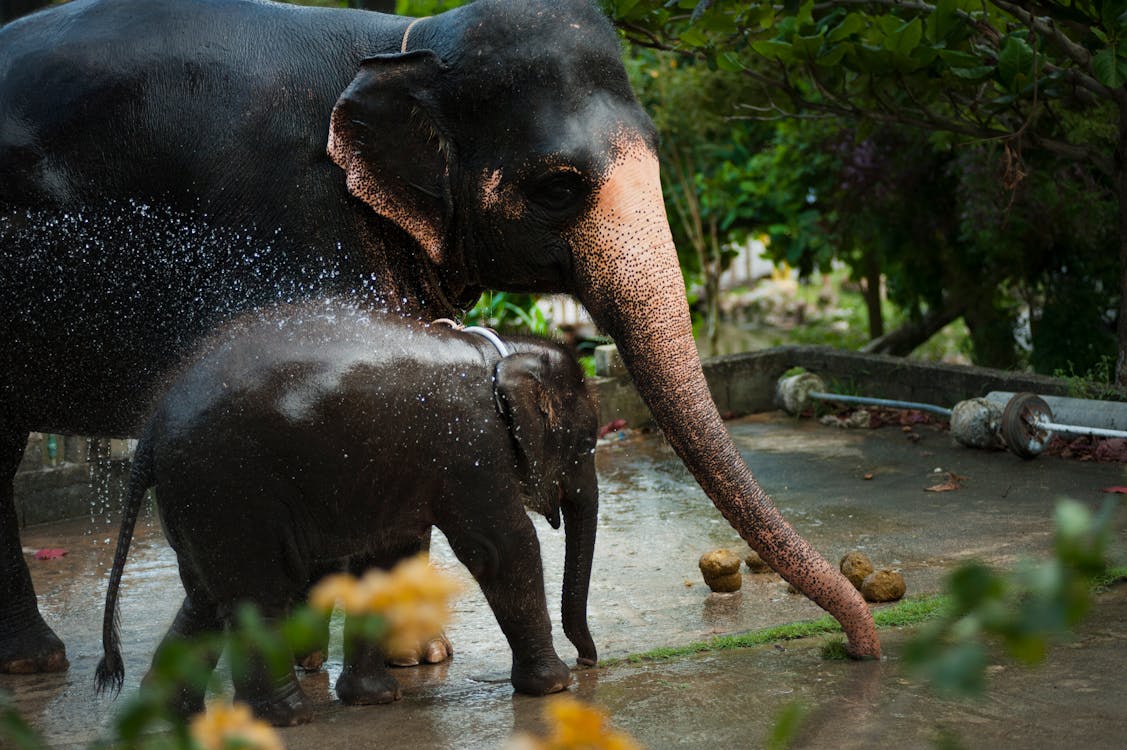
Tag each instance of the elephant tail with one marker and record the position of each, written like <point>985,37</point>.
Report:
<point>110,674</point>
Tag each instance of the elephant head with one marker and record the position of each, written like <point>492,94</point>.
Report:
<point>506,140</point>
<point>542,399</point>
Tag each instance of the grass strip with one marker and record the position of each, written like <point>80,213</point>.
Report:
<point>906,612</point>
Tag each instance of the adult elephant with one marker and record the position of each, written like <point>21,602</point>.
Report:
<point>164,166</point>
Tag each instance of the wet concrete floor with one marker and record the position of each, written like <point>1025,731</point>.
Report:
<point>647,592</point>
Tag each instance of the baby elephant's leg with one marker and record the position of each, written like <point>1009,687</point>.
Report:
<point>197,617</point>
<point>365,679</point>
<point>269,686</point>
<point>503,553</point>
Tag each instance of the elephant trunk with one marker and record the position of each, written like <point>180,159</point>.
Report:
<point>629,278</point>
<point>580,515</point>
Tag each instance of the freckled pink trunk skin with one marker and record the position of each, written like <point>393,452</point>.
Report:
<point>629,278</point>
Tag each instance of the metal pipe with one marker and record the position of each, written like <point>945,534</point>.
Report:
<point>1045,424</point>
<point>823,396</point>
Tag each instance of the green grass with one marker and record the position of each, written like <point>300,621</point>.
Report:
<point>1112,575</point>
<point>905,613</point>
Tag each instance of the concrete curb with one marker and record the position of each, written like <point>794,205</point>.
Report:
<point>745,383</point>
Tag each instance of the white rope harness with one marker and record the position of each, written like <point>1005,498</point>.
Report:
<point>486,333</point>
<point>407,33</point>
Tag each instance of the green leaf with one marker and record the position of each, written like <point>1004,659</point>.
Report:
<point>957,59</point>
<point>727,61</point>
<point>622,8</point>
<point>805,14</point>
<point>807,47</point>
<point>693,37</point>
<point>834,55</point>
<point>774,50</point>
<point>906,38</point>
<point>972,74</point>
<point>1112,14</point>
<point>850,25</point>
<point>943,20</point>
<point>1109,69</point>
<point>1015,62</point>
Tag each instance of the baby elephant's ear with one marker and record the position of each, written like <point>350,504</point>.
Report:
<point>527,409</point>
<point>384,133</point>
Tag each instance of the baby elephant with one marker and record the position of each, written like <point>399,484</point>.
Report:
<point>303,434</point>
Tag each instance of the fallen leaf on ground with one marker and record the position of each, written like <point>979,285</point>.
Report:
<point>954,482</point>
<point>50,554</point>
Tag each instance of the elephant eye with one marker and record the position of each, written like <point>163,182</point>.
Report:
<point>559,191</point>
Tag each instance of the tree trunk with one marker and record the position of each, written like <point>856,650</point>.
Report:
<point>872,295</point>
<point>1121,195</point>
<point>712,290</point>
<point>904,340</point>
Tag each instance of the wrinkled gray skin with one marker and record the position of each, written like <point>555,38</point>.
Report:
<point>273,457</point>
<point>165,166</point>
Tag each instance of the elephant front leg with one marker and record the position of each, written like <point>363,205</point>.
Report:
<point>27,644</point>
<point>509,571</point>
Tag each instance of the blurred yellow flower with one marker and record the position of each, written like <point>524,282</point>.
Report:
<point>573,725</point>
<point>413,599</point>
<point>226,726</point>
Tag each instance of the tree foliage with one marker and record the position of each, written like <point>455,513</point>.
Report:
<point>1021,186</point>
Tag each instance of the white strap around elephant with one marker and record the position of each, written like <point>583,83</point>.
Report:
<point>486,333</point>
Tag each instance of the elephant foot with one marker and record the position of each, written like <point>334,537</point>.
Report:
<point>357,689</point>
<point>280,702</point>
<point>32,650</point>
<point>542,677</point>
<point>181,701</point>
<point>311,662</point>
<point>289,711</point>
<point>433,651</point>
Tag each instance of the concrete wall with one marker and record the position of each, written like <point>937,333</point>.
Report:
<point>57,477</point>
<point>745,383</point>
<point>56,484</point>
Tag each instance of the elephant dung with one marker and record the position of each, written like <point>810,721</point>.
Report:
<point>756,564</point>
<point>856,566</point>
<point>721,570</point>
<point>883,586</point>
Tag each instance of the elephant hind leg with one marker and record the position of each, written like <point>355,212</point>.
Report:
<point>27,643</point>
<point>196,619</point>
<point>432,650</point>
<point>364,679</point>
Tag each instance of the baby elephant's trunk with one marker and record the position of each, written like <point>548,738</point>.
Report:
<point>110,673</point>
<point>580,515</point>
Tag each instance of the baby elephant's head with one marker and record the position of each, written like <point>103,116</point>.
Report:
<point>553,422</point>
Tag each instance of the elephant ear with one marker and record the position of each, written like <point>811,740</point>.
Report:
<point>384,134</point>
<point>530,412</point>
